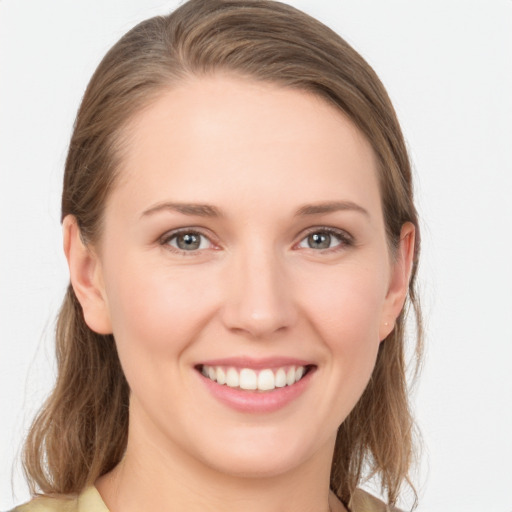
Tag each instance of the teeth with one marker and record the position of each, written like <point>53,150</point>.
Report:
<point>232,379</point>
<point>221,376</point>
<point>290,376</point>
<point>266,380</point>
<point>280,378</point>
<point>249,379</point>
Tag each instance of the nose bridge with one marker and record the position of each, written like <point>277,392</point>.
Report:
<point>259,298</point>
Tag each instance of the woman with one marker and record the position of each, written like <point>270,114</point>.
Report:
<point>241,238</point>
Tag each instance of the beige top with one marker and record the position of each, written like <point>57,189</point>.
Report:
<point>90,501</point>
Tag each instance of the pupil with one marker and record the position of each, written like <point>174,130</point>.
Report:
<point>319,241</point>
<point>188,241</point>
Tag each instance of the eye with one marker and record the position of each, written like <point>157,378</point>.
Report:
<point>324,238</point>
<point>188,241</point>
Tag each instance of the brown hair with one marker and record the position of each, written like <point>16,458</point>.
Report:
<point>81,432</point>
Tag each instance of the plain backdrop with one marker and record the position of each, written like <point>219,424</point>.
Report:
<point>447,65</point>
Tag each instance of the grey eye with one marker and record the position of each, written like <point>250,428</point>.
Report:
<point>319,240</point>
<point>325,239</point>
<point>189,241</point>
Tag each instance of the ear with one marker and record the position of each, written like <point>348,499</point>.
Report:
<point>399,280</point>
<point>86,278</point>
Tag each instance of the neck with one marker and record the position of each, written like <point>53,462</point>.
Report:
<point>150,477</point>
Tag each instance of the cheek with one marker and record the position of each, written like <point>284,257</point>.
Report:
<point>346,314</point>
<point>347,304</point>
<point>155,312</point>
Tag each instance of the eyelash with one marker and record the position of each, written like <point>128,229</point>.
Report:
<point>173,235</point>
<point>345,239</point>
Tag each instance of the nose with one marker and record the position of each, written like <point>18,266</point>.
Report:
<point>259,294</point>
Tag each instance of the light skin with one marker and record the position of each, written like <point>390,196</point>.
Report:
<point>287,257</point>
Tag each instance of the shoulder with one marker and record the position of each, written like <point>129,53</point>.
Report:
<point>46,504</point>
<point>88,501</point>
<point>364,502</point>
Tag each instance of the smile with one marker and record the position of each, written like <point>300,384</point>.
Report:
<point>264,379</point>
<point>256,386</point>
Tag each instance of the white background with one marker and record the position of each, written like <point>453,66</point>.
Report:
<point>447,65</point>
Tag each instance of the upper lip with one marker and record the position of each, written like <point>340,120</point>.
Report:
<point>256,363</point>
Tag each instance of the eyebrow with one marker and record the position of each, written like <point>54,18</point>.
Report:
<point>200,210</point>
<point>329,207</point>
<point>207,210</point>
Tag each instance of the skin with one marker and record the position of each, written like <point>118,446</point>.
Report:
<point>258,154</point>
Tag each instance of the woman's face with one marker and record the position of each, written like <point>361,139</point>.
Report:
<point>244,246</point>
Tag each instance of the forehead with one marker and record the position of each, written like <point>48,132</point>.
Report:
<point>214,137</point>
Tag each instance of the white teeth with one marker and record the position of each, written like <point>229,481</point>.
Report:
<point>221,376</point>
<point>232,379</point>
<point>249,379</point>
<point>280,378</point>
<point>266,380</point>
<point>290,376</point>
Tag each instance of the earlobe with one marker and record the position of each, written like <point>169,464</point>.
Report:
<point>86,278</point>
<point>399,281</point>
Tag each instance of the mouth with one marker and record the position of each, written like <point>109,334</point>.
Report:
<point>257,380</point>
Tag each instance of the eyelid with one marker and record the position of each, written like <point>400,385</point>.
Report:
<point>173,233</point>
<point>346,239</point>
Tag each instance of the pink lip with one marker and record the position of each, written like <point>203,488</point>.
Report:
<point>256,402</point>
<point>256,364</point>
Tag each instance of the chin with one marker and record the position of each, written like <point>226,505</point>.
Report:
<point>256,465</point>
<point>258,454</point>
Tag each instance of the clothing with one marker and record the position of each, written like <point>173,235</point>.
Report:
<point>90,501</point>
<point>364,502</point>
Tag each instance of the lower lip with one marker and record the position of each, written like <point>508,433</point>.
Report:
<point>257,401</point>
